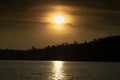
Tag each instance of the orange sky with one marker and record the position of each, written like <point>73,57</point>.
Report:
<point>27,23</point>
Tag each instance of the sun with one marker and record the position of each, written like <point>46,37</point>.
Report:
<point>59,19</point>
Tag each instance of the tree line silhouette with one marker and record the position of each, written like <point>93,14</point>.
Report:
<point>102,49</point>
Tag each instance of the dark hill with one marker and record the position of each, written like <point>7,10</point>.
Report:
<point>103,49</point>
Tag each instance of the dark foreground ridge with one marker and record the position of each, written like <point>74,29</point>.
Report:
<point>103,49</point>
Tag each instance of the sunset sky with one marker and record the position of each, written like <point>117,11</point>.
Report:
<point>27,23</point>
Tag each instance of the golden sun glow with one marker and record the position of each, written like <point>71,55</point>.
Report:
<point>59,19</point>
<point>58,27</point>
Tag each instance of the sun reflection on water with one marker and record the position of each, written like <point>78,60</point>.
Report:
<point>58,73</point>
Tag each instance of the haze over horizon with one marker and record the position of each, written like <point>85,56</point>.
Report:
<point>27,23</point>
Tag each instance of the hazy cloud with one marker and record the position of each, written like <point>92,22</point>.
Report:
<point>22,21</point>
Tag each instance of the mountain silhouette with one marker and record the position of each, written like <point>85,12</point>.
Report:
<point>102,49</point>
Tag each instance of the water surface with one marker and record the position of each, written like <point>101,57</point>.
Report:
<point>59,70</point>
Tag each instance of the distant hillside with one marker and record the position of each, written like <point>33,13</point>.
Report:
<point>102,49</point>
